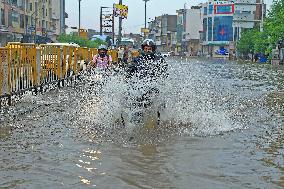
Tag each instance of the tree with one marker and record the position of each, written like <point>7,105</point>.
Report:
<point>273,31</point>
<point>274,24</point>
<point>246,44</point>
<point>80,41</point>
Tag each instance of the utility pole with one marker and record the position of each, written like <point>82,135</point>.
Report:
<point>101,22</point>
<point>119,27</point>
<point>113,34</point>
<point>34,24</point>
<point>262,10</point>
<point>145,26</point>
<point>79,28</point>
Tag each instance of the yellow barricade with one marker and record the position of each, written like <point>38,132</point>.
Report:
<point>135,53</point>
<point>70,64</point>
<point>92,53</point>
<point>114,55</point>
<point>4,59</point>
<point>50,61</point>
<point>22,67</point>
<point>60,61</point>
<point>83,55</point>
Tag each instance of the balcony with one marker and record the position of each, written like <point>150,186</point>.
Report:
<point>245,2</point>
<point>243,17</point>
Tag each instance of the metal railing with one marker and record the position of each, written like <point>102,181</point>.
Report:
<point>26,67</point>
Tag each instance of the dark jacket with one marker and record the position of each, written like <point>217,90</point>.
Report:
<point>148,67</point>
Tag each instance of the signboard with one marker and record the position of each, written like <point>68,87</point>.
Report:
<point>232,45</point>
<point>83,33</point>
<point>120,11</point>
<point>223,30</point>
<point>224,9</point>
<point>145,30</point>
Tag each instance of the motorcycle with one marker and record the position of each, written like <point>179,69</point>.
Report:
<point>141,109</point>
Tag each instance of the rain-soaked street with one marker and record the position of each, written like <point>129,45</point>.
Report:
<point>222,127</point>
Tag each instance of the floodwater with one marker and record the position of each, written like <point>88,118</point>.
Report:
<point>222,127</point>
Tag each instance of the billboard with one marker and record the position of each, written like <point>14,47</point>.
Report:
<point>120,11</point>
<point>223,28</point>
<point>224,9</point>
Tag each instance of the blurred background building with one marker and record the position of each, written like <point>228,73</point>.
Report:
<point>31,20</point>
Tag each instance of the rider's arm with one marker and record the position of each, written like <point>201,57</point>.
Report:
<point>94,61</point>
<point>110,60</point>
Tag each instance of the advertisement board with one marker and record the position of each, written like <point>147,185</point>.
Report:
<point>224,9</point>
<point>120,11</point>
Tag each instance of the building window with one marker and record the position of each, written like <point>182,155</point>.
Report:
<point>2,17</point>
<point>43,12</point>
<point>205,10</point>
<point>10,18</point>
<point>15,16</point>
<point>22,21</point>
<point>14,2</point>
<point>210,29</point>
<point>210,9</point>
<point>36,9</point>
<point>204,29</point>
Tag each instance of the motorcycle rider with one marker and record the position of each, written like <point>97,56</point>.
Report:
<point>148,67</point>
<point>102,59</point>
<point>149,64</point>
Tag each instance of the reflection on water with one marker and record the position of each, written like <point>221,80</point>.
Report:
<point>222,128</point>
<point>5,132</point>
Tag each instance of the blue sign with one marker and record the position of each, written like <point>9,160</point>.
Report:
<point>223,30</point>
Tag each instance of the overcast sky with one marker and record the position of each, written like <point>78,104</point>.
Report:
<point>90,11</point>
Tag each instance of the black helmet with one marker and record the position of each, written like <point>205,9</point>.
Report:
<point>150,43</point>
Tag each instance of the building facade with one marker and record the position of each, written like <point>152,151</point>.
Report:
<point>217,26</point>
<point>248,14</point>
<point>155,30</point>
<point>181,28</point>
<point>58,18</point>
<point>193,27</point>
<point>169,29</point>
<point>29,20</point>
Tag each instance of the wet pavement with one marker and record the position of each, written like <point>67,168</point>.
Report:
<point>222,128</point>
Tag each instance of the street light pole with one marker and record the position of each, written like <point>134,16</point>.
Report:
<point>262,10</point>
<point>79,18</point>
<point>119,27</point>
<point>34,25</point>
<point>145,26</point>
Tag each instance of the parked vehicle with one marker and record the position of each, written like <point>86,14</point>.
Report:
<point>166,54</point>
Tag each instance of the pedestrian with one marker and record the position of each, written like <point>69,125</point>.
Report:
<point>256,57</point>
<point>126,55</point>
<point>120,55</point>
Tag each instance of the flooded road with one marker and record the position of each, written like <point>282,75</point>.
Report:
<point>222,128</point>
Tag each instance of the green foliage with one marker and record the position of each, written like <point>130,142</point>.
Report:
<point>69,38</point>
<point>246,44</point>
<point>273,30</point>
